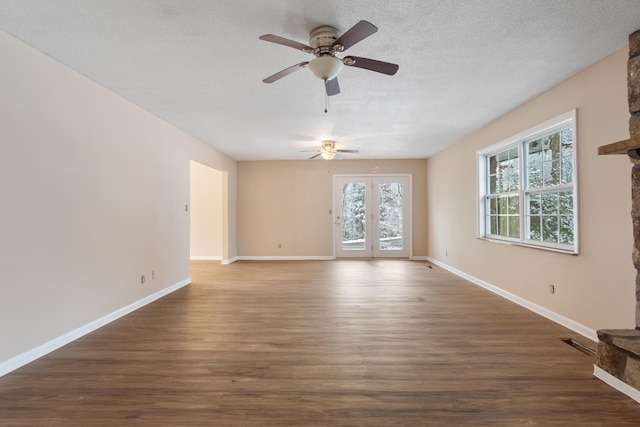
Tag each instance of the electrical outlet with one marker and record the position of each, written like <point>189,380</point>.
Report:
<point>142,279</point>
<point>153,274</point>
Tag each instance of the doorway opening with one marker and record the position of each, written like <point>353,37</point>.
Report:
<point>206,215</point>
<point>372,216</point>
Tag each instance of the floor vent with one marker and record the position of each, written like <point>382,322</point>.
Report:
<point>575,344</point>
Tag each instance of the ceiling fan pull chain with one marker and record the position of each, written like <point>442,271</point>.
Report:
<point>326,102</point>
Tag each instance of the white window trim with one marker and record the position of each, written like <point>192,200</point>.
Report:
<point>517,140</point>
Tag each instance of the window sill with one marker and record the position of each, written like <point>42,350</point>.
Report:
<point>528,245</point>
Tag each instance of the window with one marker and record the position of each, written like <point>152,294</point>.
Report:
<point>528,189</point>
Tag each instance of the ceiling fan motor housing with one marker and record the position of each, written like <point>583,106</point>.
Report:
<point>323,38</point>
<point>329,145</point>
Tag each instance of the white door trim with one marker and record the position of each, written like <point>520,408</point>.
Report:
<point>407,212</point>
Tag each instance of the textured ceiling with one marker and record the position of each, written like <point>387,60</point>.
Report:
<point>199,65</point>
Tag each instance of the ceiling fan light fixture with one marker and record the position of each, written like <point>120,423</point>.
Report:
<point>328,155</point>
<point>328,149</point>
<point>326,67</point>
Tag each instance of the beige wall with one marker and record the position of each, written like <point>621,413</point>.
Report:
<point>288,202</point>
<point>206,212</point>
<point>594,288</point>
<point>93,192</point>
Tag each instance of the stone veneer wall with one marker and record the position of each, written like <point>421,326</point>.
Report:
<point>619,349</point>
<point>633,85</point>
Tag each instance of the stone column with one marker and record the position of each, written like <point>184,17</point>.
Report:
<point>619,349</point>
<point>633,87</point>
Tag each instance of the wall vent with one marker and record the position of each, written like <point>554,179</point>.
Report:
<point>579,346</point>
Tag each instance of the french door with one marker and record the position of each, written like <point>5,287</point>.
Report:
<point>372,216</point>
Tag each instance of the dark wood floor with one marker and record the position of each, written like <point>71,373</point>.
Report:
<point>332,343</point>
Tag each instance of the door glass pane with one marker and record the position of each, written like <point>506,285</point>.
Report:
<point>353,216</point>
<point>390,211</point>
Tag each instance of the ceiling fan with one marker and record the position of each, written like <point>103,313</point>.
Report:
<point>325,42</point>
<point>329,151</point>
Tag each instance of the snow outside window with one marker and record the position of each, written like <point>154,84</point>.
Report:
<point>528,189</point>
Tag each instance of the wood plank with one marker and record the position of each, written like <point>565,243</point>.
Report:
<point>620,147</point>
<point>349,343</point>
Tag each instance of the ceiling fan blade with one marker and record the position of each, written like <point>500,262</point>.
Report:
<point>371,64</point>
<point>286,42</point>
<point>313,157</point>
<point>332,86</point>
<point>355,34</point>
<point>285,72</point>
<point>348,151</point>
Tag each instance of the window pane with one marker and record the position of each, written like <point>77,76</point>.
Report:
<point>550,228</point>
<point>534,148</point>
<point>503,205</point>
<point>504,172</point>
<point>565,199</point>
<point>514,205</point>
<point>494,225</point>
<point>546,149</point>
<point>566,229</point>
<point>493,206</point>
<point>566,141</point>
<point>502,178</point>
<point>534,171</point>
<point>514,226</point>
<point>390,214</point>
<point>514,175</point>
<point>353,216</point>
<point>535,228</point>
<point>567,170</point>
<point>493,165</point>
<point>534,204</point>
<point>554,145</point>
<point>549,203</point>
<point>502,226</point>
<point>551,173</point>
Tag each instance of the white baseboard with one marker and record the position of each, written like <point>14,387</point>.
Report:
<point>542,311</point>
<point>230,260</point>
<point>37,352</point>
<point>205,258</point>
<point>614,382</point>
<point>285,258</point>
<point>296,258</point>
